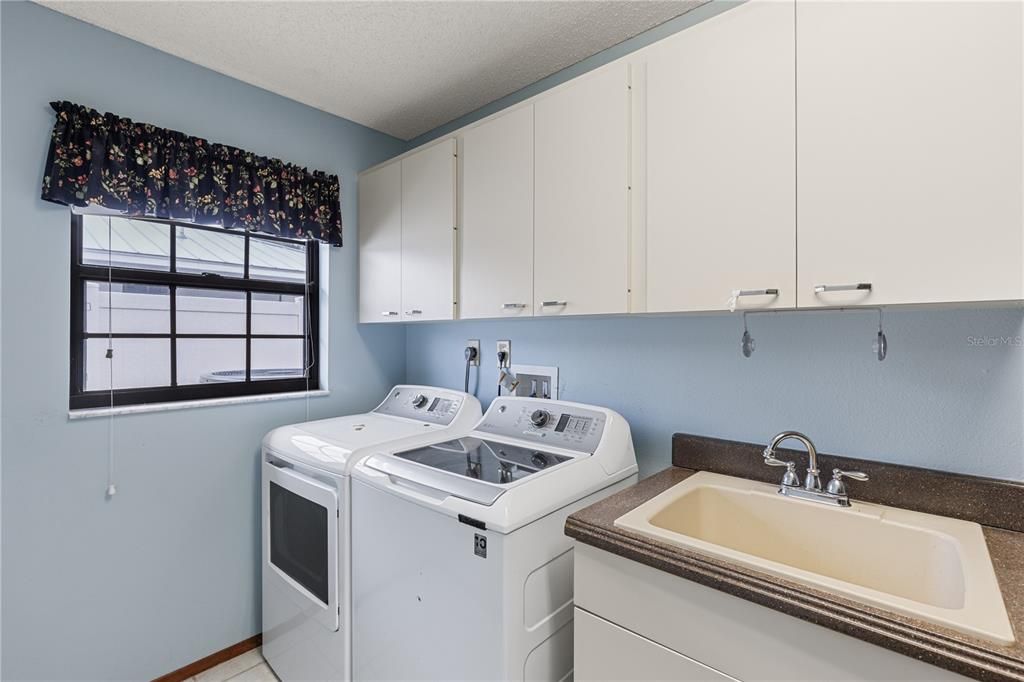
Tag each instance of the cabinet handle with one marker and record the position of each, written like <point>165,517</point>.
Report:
<point>413,312</point>
<point>825,288</point>
<point>736,293</point>
<point>513,306</point>
<point>389,313</point>
<point>551,304</point>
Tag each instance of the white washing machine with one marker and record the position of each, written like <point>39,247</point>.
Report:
<point>461,568</point>
<point>306,567</point>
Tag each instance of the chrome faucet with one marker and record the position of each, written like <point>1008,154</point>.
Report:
<point>834,494</point>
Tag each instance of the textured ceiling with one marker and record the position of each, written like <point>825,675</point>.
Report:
<point>400,67</point>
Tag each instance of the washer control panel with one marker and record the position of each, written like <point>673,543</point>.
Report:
<point>421,403</point>
<point>545,421</point>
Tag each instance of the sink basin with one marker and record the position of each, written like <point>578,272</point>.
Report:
<point>929,567</point>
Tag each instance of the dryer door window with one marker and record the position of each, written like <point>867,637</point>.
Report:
<point>300,537</point>
<point>299,540</point>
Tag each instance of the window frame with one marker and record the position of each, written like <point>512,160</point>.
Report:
<point>82,273</point>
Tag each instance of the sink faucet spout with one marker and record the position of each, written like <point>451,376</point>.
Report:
<point>813,480</point>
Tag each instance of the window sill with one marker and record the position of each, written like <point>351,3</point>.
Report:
<point>74,415</point>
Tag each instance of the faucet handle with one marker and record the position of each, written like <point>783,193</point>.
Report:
<point>836,485</point>
<point>790,477</point>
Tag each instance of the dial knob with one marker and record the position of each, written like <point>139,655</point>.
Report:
<point>419,400</point>
<point>539,418</point>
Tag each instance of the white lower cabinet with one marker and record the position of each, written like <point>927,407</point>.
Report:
<point>636,622</point>
<point>604,651</point>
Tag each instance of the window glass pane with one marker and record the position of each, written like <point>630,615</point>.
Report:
<point>127,308</point>
<point>210,361</point>
<point>210,311</point>
<point>125,243</point>
<point>277,359</point>
<point>283,261</point>
<point>220,252</point>
<point>136,363</point>
<point>277,313</point>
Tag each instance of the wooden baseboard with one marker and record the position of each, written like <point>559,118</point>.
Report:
<point>216,658</point>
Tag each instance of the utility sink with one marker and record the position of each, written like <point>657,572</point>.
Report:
<point>928,567</point>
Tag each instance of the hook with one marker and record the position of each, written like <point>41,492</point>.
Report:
<point>881,344</point>
<point>747,343</point>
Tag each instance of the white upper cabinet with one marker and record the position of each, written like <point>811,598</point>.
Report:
<point>428,233</point>
<point>909,152</point>
<point>380,244</point>
<point>581,220</point>
<point>496,230</point>
<point>721,136</point>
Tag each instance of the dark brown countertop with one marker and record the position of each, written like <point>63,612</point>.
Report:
<point>925,641</point>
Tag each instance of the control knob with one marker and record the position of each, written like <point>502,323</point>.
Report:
<point>539,418</point>
<point>419,400</point>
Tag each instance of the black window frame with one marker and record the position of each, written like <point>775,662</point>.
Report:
<point>82,273</point>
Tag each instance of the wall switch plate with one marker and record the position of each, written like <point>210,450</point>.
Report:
<point>506,346</point>
<point>537,381</point>
<point>474,343</point>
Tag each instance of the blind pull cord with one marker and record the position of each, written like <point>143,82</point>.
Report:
<point>111,485</point>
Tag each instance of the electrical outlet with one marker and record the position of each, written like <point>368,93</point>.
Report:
<point>475,344</point>
<point>505,346</point>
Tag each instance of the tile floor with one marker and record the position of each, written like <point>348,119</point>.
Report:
<point>248,667</point>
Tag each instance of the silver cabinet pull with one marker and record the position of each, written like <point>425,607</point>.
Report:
<point>736,293</point>
<point>413,312</point>
<point>551,304</point>
<point>512,306</point>
<point>860,286</point>
<point>389,313</point>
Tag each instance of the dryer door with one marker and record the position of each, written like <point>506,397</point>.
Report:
<point>301,538</point>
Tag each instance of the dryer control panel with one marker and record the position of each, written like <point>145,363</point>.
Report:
<point>559,424</point>
<point>422,403</point>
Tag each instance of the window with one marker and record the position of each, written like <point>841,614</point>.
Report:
<point>164,311</point>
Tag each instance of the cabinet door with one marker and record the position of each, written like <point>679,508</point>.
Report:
<point>380,244</point>
<point>581,253</point>
<point>604,651</point>
<point>909,151</point>
<point>496,231</point>
<point>428,233</point>
<point>721,156</point>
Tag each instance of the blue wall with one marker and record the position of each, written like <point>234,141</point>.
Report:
<point>167,571</point>
<point>938,401</point>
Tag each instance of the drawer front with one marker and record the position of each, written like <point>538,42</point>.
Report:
<point>604,651</point>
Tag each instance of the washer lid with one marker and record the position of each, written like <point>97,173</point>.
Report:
<point>473,469</point>
<point>331,443</point>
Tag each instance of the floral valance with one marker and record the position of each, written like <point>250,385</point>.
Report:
<point>142,170</point>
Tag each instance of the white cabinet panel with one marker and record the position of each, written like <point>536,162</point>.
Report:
<point>721,192</point>
<point>735,637</point>
<point>496,232</point>
<point>581,245</point>
<point>428,233</point>
<point>604,651</point>
<point>380,244</point>
<point>909,151</point>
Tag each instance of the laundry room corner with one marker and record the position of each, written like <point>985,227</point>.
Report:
<point>166,571</point>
